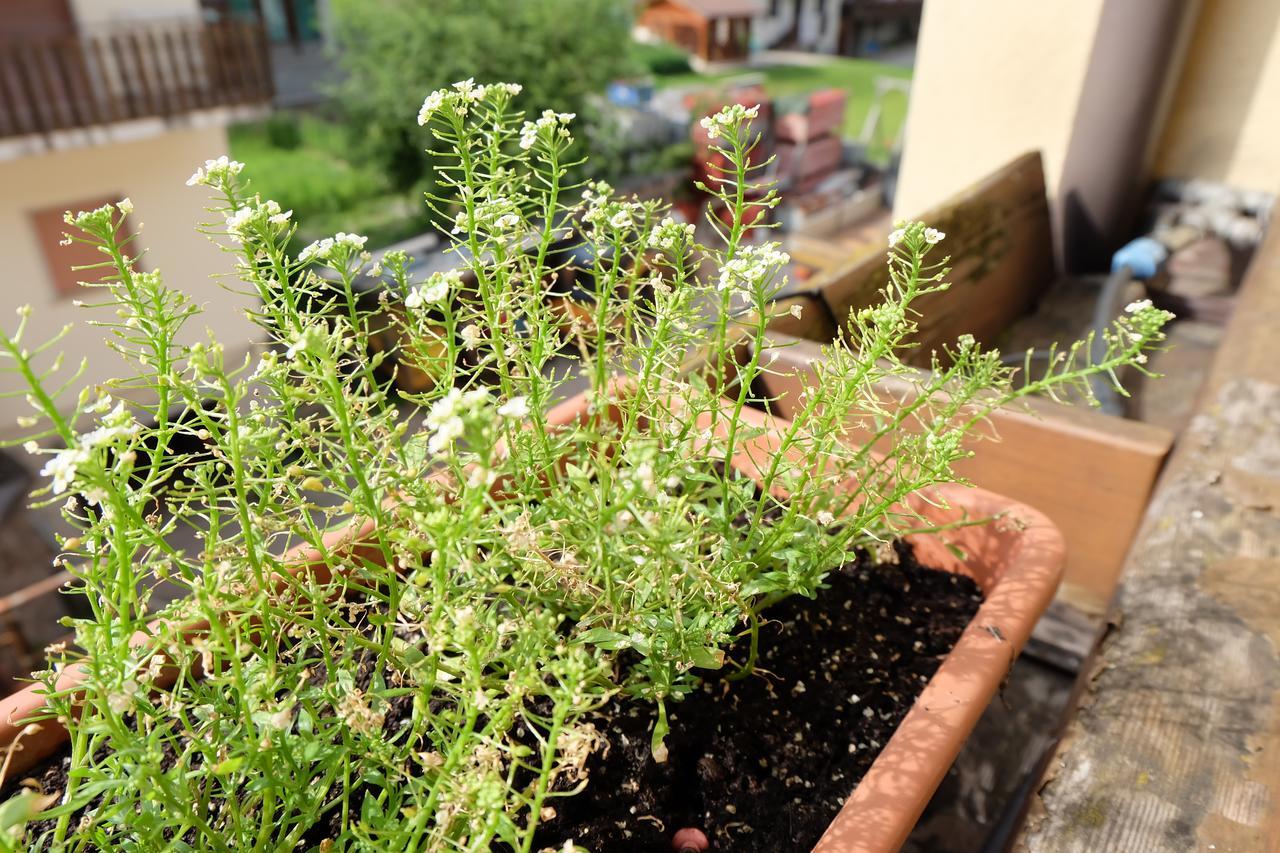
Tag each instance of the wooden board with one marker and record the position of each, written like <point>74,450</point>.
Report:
<point>1001,248</point>
<point>1091,473</point>
<point>1177,744</point>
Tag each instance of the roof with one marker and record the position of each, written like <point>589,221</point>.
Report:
<point>725,8</point>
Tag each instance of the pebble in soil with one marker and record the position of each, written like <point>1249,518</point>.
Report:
<point>764,763</point>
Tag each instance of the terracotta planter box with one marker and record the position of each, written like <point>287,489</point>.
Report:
<point>1017,561</point>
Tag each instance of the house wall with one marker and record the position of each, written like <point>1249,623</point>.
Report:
<point>98,12</point>
<point>989,86</point>
<point>1224,118</point>
<point>153,173</point>
<point>1112,93</point>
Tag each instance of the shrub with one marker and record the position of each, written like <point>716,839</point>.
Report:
<point>565,51</point>
<point>661,58</point>
<point>424,677</point>
<point>284,131</point>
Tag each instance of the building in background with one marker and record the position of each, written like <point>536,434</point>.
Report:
<point>710,30</point>
<point>103,99</point>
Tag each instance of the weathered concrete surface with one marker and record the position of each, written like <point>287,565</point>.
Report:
<point>1177,744</point>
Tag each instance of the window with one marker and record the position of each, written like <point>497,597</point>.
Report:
<point>59,259</point>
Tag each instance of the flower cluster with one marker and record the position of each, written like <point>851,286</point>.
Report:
<point>446,419</point>
<point>463,94</point>
<point>91,220</point>
<point>601,210</point>
<point>672,236</point>
<point>930,236</point>
<point>752,267</point>
<point>434,290</point>
<point>495,215</point>
<point>215,173</point>
<point>551,123</point>
<point>729,120</point>
<point>338,246</point>
<point>64,465</point>
<point>255,213</point>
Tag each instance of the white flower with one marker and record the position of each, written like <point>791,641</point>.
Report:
<point>670,234</point>
<point>752,266</point>
<point>895,236</point>
<point>31,447</point>
<point>435,290</point>
<point>317,249</point>
<point>432,105</point>
<point>550,120</point>
<point>275,215</point>
<point>214,173</point>
<point>62,467</point>
<point>445,420</point>
<point>621,219</point>
<point>471,336</point>
<point>933,236</point>
<point>121,701</point>
<point>118,424</point>
<point>238,220</point>
<point>528,135</point>
<point>468,90</point>
<point>729,118</point>
<point>1135,307</point>
<point>797,310</point>
<point>353,241</point>
<point>825,518</point>
<point>125,205</point>
<point>516,407</point>
<point>323,249</point>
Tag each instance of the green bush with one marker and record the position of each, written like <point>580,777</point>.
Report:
<point>395,51</point>
<point>284,131</point>
<point>660,58</point>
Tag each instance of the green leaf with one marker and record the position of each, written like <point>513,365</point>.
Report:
<point>707,658</point>
<point>228,766</point>
<point>603,638</point>
<point>18,810</point>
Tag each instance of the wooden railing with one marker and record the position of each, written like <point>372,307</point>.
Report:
<point>83,80</point>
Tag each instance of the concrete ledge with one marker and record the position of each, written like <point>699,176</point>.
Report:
<point>1176,745</point>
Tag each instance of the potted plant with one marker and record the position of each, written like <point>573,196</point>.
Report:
<point>439,622</point>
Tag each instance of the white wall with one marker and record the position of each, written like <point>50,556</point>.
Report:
<point>153,173</point>
<point>992,80</point>
<point>1224,118</point>
<point>89,13</point>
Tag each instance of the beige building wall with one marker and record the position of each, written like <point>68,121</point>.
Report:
<point>95,12</point>
<point>992,80</point>
<point>153,173</point>
<point>1224,118</point>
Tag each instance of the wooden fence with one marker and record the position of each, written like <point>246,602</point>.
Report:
<point>82,80</point>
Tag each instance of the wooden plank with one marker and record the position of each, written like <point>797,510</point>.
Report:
<point>999,240</point>
<point>1177,744</point>
<point>1091,473</point>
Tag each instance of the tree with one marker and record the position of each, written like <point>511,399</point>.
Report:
<point>562,51</point>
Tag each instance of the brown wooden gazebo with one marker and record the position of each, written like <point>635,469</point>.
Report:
<point>712,30</point>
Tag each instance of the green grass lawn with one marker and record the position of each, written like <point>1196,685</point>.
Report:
<point>855,76</point>
<point>326,191</point>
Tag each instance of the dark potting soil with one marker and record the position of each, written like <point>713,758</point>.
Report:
<point>765,762</point>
